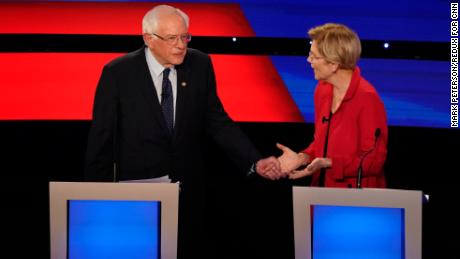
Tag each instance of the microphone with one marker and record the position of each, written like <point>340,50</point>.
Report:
<point>322,173</point>
<point>114,172</point>
<point>360,168</point>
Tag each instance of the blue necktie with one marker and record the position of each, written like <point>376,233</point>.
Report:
<point>167,100</point>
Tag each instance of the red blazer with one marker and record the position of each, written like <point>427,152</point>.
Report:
<point>351,134</point>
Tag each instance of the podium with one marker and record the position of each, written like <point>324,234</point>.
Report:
<point>113,220</point>
<point>357,223</point>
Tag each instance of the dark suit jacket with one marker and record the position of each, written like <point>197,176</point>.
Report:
<point>128,125</point>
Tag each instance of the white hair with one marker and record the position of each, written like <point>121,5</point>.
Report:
<point>150,20</point>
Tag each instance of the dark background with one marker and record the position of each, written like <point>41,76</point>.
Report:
<point>248,218</point>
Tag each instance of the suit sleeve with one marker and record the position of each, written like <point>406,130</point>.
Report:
<point>100,149</point>
<point>371,117</point>
<point>224,131</point>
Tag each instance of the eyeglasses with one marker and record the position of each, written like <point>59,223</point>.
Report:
<point>312,56</point>
<point>173,39</point>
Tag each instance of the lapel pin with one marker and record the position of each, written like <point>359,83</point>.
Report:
<point>183,84</point>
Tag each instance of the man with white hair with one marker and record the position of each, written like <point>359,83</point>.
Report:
<point>153,110</point>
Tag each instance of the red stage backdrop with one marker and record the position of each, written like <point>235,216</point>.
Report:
<point>61,86</point>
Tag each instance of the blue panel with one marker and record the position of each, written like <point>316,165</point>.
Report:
<point>370,19</point>
<point>343,232</point>
<point>113,229</point>
<point>299,79</point>
<point>415,92</point>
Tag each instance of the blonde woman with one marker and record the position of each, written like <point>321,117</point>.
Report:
<point>351,132</point>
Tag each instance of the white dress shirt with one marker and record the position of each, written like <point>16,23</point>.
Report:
<point>156,71</point>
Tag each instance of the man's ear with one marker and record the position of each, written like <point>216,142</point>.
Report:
<point>147,39</point>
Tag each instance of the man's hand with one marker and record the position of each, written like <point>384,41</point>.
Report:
<point>269,168</point>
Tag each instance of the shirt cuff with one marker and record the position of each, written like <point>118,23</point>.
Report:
<point>252,169</point>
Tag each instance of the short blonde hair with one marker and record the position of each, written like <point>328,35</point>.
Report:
<point>337,43</point>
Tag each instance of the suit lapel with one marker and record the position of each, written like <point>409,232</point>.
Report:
<point>183,85</point>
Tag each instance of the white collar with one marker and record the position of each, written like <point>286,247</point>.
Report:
<point>154,65</point>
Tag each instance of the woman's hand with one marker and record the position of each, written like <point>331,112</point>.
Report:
<point>313,167</point>
<point>290,160</point>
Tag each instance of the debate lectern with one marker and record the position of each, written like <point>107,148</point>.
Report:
<point>113,220</point>
<point>357,223</point>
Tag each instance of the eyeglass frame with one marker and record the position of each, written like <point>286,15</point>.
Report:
<point>312,56</point>
<point>174,39</point>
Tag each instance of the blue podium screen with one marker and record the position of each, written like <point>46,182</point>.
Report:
<point>347,232</point>
<point>113,229</point>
